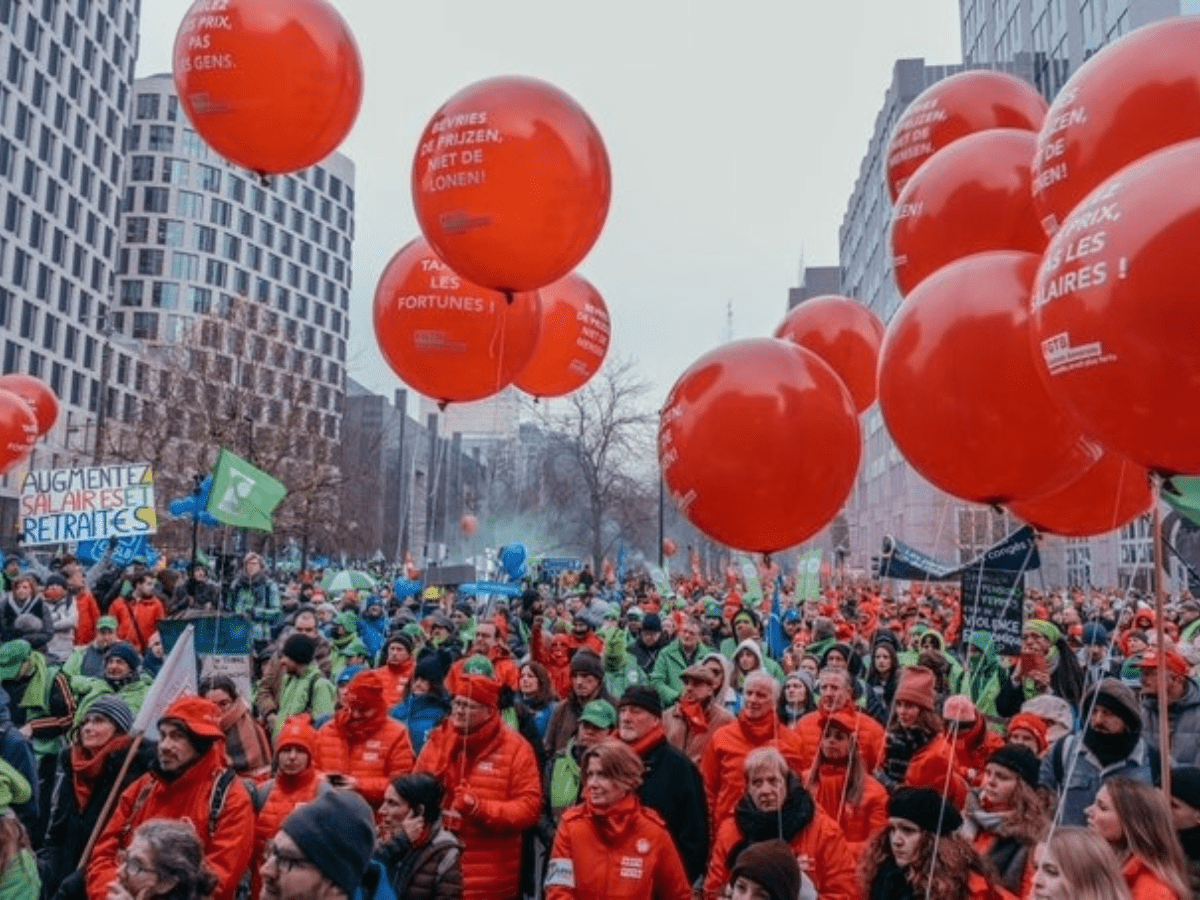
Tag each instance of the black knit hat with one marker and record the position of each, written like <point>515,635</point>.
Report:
<point>651,623</point>
<point>772,866</point>
<point>1119,700</point>
<point>1019,759</point>
<point>586,662</point>
<point>1185,785</point>
<point>300,648</point>
<point>430,668</point>
<point>926,809</point>
<point>336,832</point>
<point>124,651</point>
<point>644,697</point>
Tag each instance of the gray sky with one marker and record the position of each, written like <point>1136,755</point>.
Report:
<point>735,132</point>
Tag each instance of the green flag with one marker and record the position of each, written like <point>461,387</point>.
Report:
<point>243,495</point>
<point>1182,493</point>
<point>808,580</point>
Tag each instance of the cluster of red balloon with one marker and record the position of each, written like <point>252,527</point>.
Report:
<point>28,409</point>
<point>511,185</point>
<point>759,440</point>
<point>1050,377</point>
<point>272,85</point>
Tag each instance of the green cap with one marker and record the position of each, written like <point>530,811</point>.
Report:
<point>14,788</point>
<point>712,608</point>
<point>106,623</point>
<point>348,620</point>
<point>12,656</point>
<point>599,713</point>
<point>479,665</point>
<point>413,630</point>
<point>356,648</point>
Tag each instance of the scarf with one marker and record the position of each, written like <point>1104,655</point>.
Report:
<point>761,730</point>
<point>245,745</point>
<point>35,689</point>
<point>613,821</point>
<point>87,765</point>
<point>404,670</point>
<point>755,825</point>
<point>694,716</point>
<point>358,730</point>
<point>990,821</point>
<point>649,740</point>
<point>902,745</point>
<point>462,751</point>
<point>1110,748</point>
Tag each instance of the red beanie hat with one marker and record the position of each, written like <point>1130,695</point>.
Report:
<point>199,716</point>
<point>917,686</point>
<point>478,684</point>
<point>298,732</point>
<point>365,689</point>
<point>1031,723</point>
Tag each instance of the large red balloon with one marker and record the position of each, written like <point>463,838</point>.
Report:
<point>759,444</point>
<point>37,394</point>
<point>18,429</point>
<point>573,340</point>
<point>1116,315</point>
<point>1137,95</point>
<point>445,337</point>
<point>511,183</point>
<point>273,85</point>
<point>845,334</point>
<point>970,197</point>
<point>1110,494</point>
<point>960,392</point>
<point>953,108</point>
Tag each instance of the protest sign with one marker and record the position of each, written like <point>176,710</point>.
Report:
<point>87,504</point>
<point>993,602</point>
<point>219,644</point>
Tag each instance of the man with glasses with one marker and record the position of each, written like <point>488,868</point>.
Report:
<point>322,850</point>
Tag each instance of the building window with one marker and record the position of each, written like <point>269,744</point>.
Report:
<point>161,137</point>
<point>156,199</point>
<point>137,229</point>
<point>150,261</point>
<point>185,266</point>
<point>210,178</point>
<point>174,171</point>
<point>191,204</point>
<point>131,293</point>
<point>164,295</point>
<point>206,239</point>
<point>200,300</point>
<point>170,232</point>
<point>145,326</point>
<point>147,106</point>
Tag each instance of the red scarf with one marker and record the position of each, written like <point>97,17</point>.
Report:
<point>694,715</point>
<point>649,740</point>
<point>86,766</point>
<point>613,821</point>
<point>358,730</point>
<point>404,670</point>
<point>759,731</point>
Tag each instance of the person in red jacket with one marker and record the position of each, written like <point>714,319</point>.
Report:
<point>611,846</point>
<point>362,748</point>
<point>972,740</point>
<point>917,753</point>
<point>493,788</point>
<point>190,781</point>
<point>776,806</point>
<point>297,780</point>
<point>138,617</point>
<point>836,687</point>
<point>397,668</point>
<point>757,725</point>
<point>842,786</point>
<point>486,642</point>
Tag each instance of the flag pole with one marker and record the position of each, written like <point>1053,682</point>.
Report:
<point>1164,726</point>
<point>113,793</point>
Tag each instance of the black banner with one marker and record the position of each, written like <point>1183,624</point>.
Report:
<point>993,601</point>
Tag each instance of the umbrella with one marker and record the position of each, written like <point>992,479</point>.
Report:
<point>347,580</point>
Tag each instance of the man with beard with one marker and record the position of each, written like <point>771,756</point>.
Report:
<point>189,780</point>
<point>1111,745</point>
<point>122,676</point>
<point>486,642</point>
<point>1183,706</point>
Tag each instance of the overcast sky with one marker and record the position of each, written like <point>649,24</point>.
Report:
<point>735,132</point>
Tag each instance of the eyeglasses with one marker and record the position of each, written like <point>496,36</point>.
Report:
<point>285,862</point>
<point>133,865</point>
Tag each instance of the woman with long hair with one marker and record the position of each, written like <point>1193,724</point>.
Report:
<point>610,839</point>
<point>916,753</point>
<point>535,692</point>
<point>422,858</point>
<point>164,861</point>
<point>1135,820</point>
<point>920,857</point>
<point>1077,864</point>
<point>841,785</point>
<point>1007,817</point>
<point>883,675</point>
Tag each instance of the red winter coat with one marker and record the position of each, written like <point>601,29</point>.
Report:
<point>552,653</point>
<point>931,767</point>
<point>724,780</point>
<point>1144,884</point>
<point>137,619</point>
<point>972,749</point>
<point>623,853</point>
<point>284,795</point>
<point>386,754</point>
<point>496,768</point>
<point>88,614</point>
<point>395,681</point>
<point>869,732</point>
<point>226,849</point>
<point>830,865</point>
<point>859,823</point>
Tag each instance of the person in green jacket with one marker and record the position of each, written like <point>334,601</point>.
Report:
<point>355,653</point>
<point>122,676</point>
<point>563,778</point>
<point>620,668</point>
<point>686,650</point>
<point>19,879</point>
<point>983,682</point>
<point>304,689</point>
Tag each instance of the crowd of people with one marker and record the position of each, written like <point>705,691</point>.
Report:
<point>590,740</point>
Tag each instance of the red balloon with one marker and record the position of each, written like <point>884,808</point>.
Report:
<point>1110,494</point>
<point>970,197</point>
<point>960,392</point>
<point>1135,96</point>
<point>845,334</point>
<point>759,444</point>
<point>511,183</point>
<point>469,524</point>
<point>445,337</point>
<point>668,547</point>
<point>18,429</point>
<point>573,340</point>
<point>1115,312</point>
<point>953,108</point>
<point>37,394</point>
<point>272,85</point>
